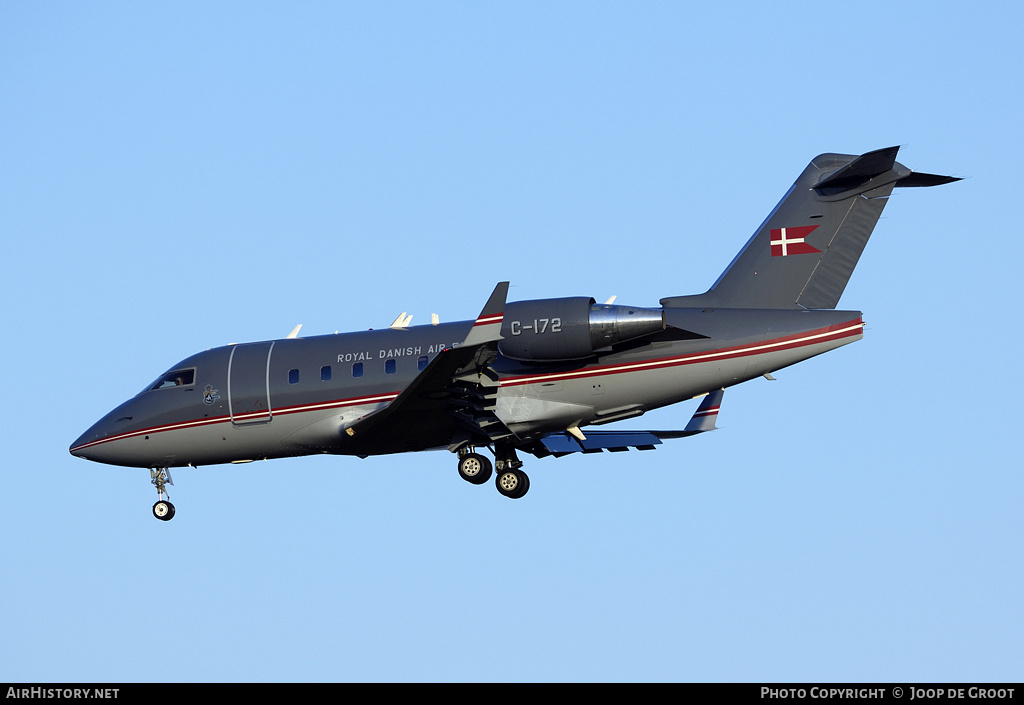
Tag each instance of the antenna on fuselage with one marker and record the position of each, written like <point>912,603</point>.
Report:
<point>402,321</point>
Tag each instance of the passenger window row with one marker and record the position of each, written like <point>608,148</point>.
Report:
<point>390,367</point>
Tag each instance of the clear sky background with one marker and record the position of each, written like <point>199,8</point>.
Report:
<point>179,176</point>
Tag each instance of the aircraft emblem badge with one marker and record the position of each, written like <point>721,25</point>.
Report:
<point>210,395</point>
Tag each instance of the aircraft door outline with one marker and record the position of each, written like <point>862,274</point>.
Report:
<point>249,384</point>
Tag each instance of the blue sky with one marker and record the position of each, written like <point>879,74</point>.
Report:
<point>177,177</point>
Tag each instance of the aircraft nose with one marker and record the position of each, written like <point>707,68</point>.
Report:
<point>101,442</point>
<point>76,448</point>
<point>83,445</point>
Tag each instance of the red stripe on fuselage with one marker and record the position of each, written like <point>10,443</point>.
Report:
<point>283,411</point>
<point>789,342</point>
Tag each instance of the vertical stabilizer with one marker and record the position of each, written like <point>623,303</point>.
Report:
<point>804,253</point>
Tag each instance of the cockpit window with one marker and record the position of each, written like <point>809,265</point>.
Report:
<point>177,378</point>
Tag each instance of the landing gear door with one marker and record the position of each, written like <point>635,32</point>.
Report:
<point>249,383</point>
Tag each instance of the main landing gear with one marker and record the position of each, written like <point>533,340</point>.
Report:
<point>510,480</point>
<point>474,468</point>
<point>163,509</point>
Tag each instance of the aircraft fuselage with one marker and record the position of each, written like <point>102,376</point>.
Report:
<point>298,396</point>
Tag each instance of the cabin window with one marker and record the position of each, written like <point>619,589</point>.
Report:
<point>357,369</point>
<point>325,373</point>
<point>177,378</point>
<point>389,367</point>
<point>422,362</point>
<point>293,376</point>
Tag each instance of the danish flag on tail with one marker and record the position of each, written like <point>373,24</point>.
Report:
<point>790,241</point>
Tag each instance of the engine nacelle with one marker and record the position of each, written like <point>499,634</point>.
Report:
<point>571,328</point>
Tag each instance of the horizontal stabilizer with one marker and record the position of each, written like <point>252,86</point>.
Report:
<point>859,171</point>
<point>917,178</point>
<point>867,166</point>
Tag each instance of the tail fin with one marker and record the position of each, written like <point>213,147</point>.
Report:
<point>805,251</point>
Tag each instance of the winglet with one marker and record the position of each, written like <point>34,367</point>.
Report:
<point>706,414</point>
<point>487,327</point>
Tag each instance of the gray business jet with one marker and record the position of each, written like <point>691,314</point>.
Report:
<point>526,377</point>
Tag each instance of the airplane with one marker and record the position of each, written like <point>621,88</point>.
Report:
<point>538,377</point>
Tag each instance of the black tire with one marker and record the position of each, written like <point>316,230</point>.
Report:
<point>475,468</point>
<point>512,483</point>
<point>524,485</point>
<point>163,510</point>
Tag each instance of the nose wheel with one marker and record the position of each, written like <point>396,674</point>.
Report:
<point>163,509</point>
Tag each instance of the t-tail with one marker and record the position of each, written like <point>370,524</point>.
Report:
<point>803,254</point>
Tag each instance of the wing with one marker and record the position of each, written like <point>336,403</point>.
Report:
<point>437,406</point>
<point>563,443</point>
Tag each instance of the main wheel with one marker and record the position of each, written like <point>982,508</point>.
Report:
<point>512,483</point>
<point>163,510</point>
<point>475,468</point>
<point>524,484</point>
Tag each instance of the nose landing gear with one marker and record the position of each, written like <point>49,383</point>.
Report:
<point>163,509</point>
